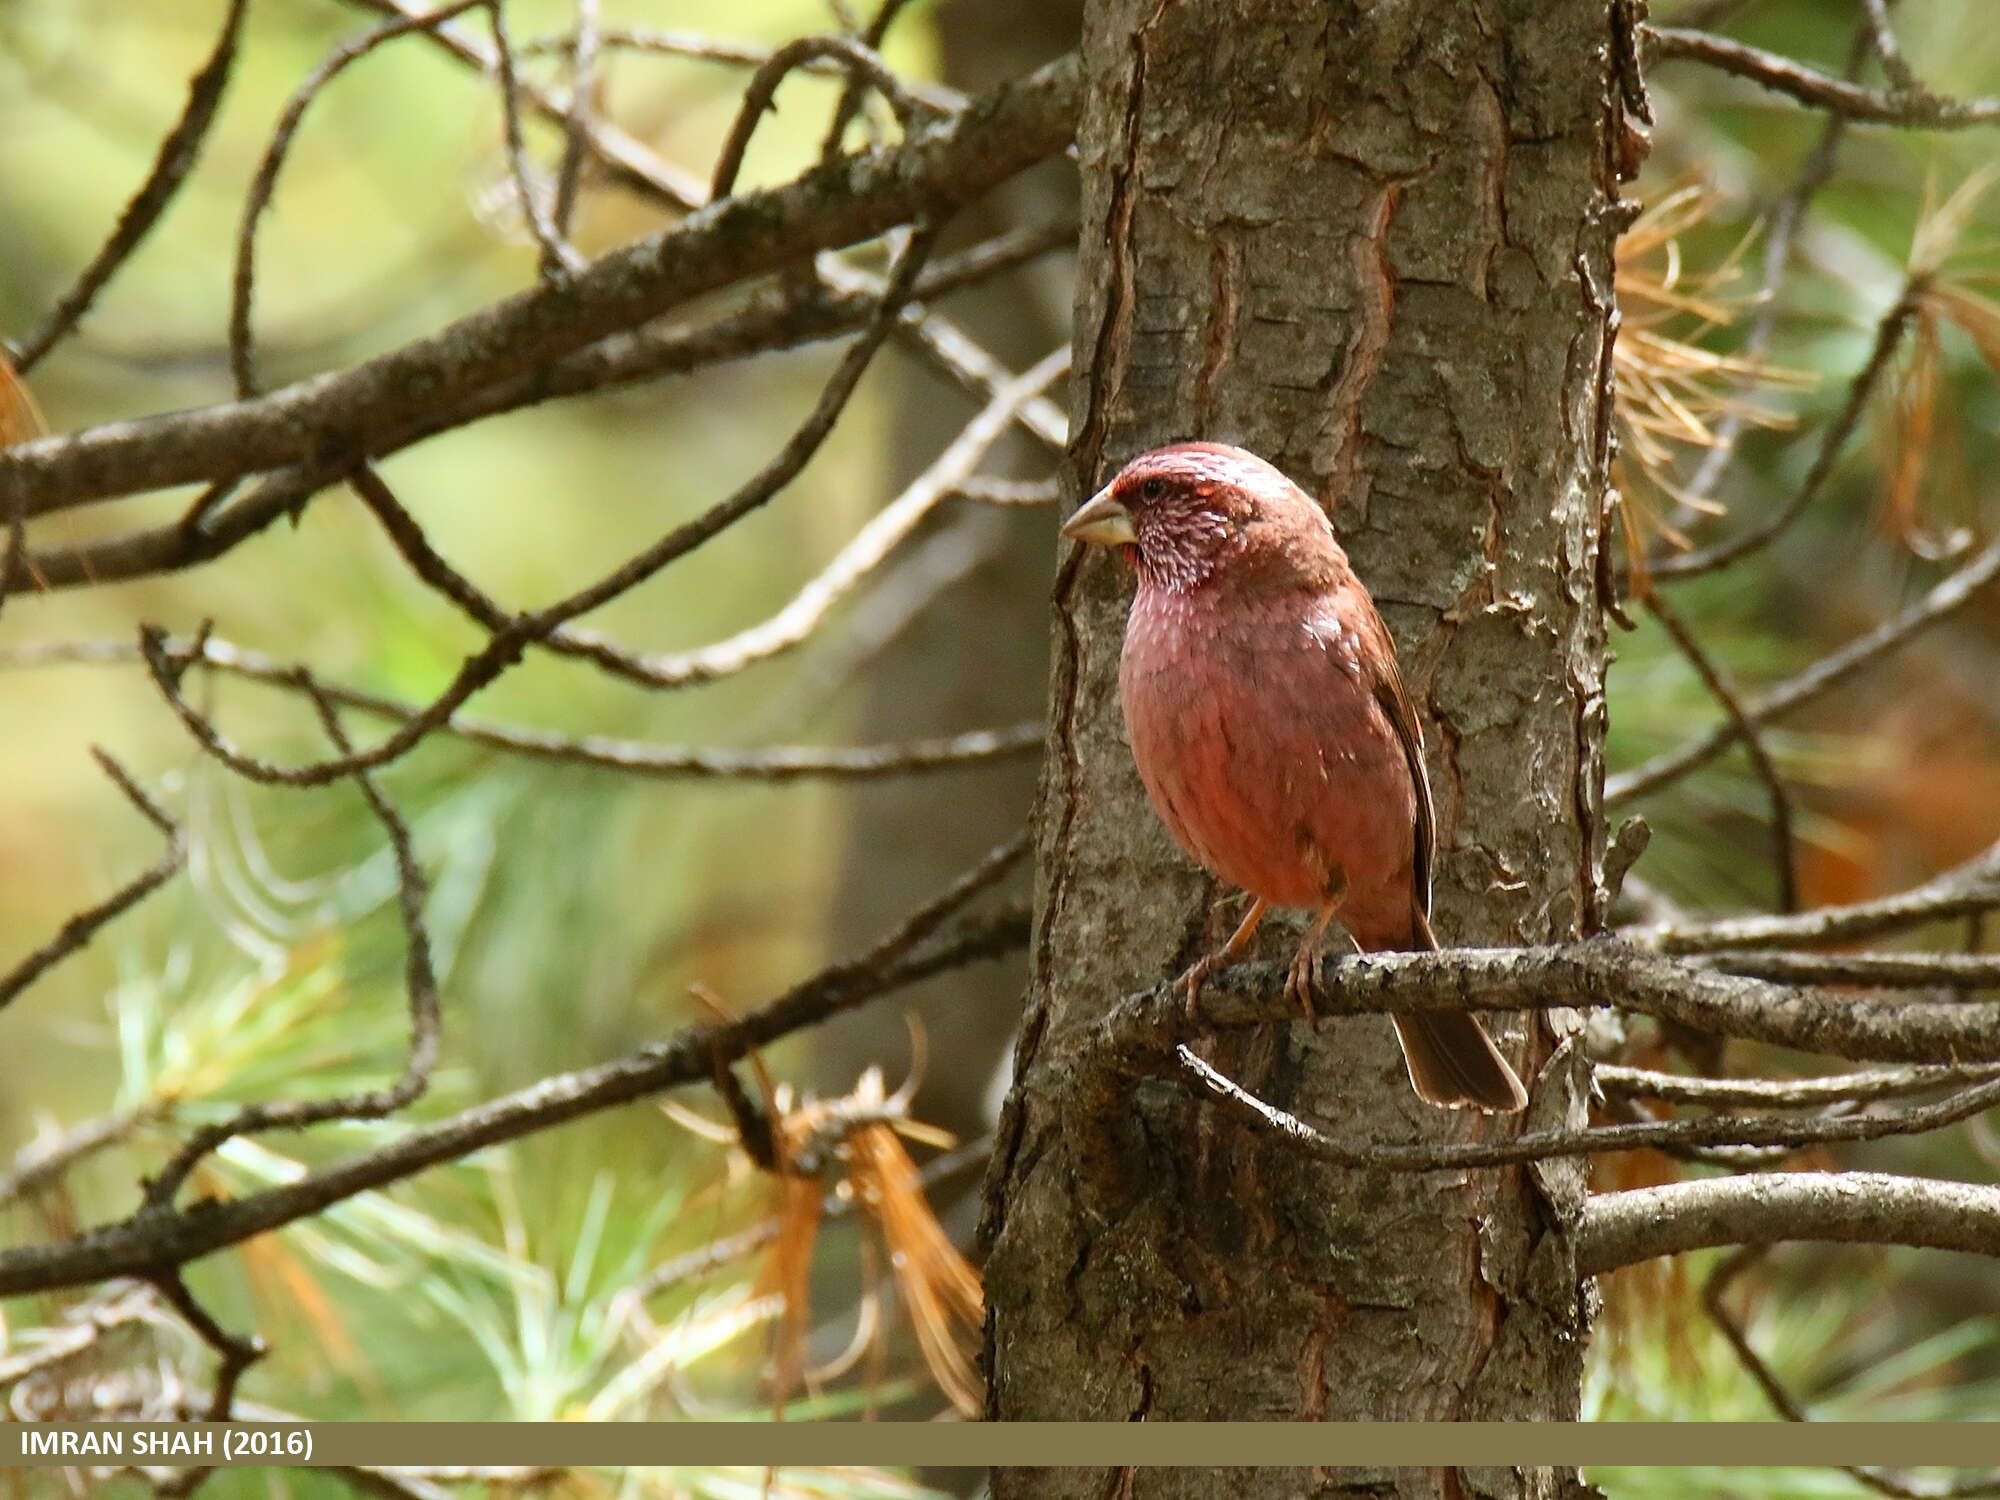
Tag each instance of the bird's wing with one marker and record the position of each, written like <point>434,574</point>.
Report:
<point>1394,699</point>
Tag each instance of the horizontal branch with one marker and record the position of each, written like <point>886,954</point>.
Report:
<point>1962,891</point>
<point>1809,86</point>
<point>157,1238</point>
<point>1701,1138</point>
<point>602,752</point>
<point>1618,1082</point>
<point>343,415</point>
<point>1871,1208</point>
<point>1896,971</point>
<point>772,318</point>
<point>1144,1026</point>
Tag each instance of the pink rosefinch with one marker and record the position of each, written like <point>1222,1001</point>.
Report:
<point>1272,729</point>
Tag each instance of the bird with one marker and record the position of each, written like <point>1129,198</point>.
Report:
<point>1271,728</point>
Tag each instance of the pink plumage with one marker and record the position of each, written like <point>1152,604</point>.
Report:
<point>1270,725</point>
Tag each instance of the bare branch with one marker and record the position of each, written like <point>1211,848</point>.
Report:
<point>704,48</point>
<point>958,357</point>
<point>633,757</point>
<point>1888,338</point>
<point>83,926</point>
<point>44,1160</point>
<point>1786,219</point>
<point>631,163</point>
<point>1723,690</point>
<point>348,413</point>
<point>176,158</point>
<point>792,625</point>
<point>236,1353</point>
<point>860,62</point>
<point>1783,1093</point>
<point>265,181</point>
<point>420,985</point>
<point>1731,1131</point>
<point>1871,1208</point>
<point>914,951</point>
<point>1945,599</point>
<point>1142,1028</point>
<point>1959,971</point>
<point>576,129</point>
<point>512,641</point>
<point>1808,86</point>
<point>1965,890</point>
<point>771,320</point>
<point>558,257</point>
<point>1882,36</point>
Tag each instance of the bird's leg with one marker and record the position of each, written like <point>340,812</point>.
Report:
<point>1305,963</point>
<point>1201,968</point>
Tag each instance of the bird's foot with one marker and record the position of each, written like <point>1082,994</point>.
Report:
<point>1197,972</point>
<point>1302,976</point>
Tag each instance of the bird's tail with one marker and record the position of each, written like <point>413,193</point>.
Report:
<point>1452,1061</point>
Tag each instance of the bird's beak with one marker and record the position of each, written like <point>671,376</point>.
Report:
<point>1101,521</point>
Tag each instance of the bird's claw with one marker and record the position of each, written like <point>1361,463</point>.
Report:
<point>1300,979</point>
<point>1191,982</point>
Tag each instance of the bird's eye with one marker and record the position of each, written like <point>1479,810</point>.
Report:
<point>1153,488</point>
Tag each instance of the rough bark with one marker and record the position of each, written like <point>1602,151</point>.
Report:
<point>1372,243</point>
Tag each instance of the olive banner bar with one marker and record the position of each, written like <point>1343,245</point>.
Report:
<point>980,1445</point>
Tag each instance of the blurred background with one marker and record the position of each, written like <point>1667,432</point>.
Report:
<point>572,907</point>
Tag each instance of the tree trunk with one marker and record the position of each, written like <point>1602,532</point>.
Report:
<point>1372,243</point>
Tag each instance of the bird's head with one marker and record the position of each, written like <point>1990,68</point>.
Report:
<point>1194,512</point>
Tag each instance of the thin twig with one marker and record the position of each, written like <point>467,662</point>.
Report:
<point>919,948</point>
<point>84,925</point>
<point>632,757</point>
<point>175,159</point>
<point>44,1160</point>
<point>509,644</point>
<point>1882,36</point>
<point>236,1353</point>
<point>705,48</point>
<point>1819,90</point>
<point>1904,971</point>
<point>789,627</point>
<point>420,986</point>
<point>1733,1131</point>
<point>1833,438</point>
<point>860,61</point>
<point>558,256</point>
<point>1786,220</point>
<point>1783,1093</point>
<point>264,182</point>
<point>344,412</point>
<point>576,129</point>
<point>1945,599</point>
<point>771,320</point>
<point>1716,679</point>
<point>1964,890</point>
<point>849,104</point>
<point>793,624</point>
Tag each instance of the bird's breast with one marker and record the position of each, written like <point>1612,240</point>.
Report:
<point>1262,746</point>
